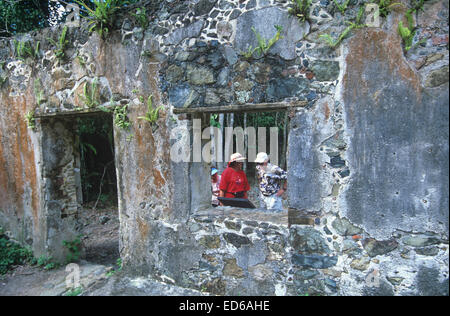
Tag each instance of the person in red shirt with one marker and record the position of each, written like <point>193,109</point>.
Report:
<point>234,183</point>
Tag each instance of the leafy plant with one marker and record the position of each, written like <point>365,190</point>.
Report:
<point>61,44</point>
<point>24,49</point>
<point>417,5</point>
<point>213,120</point>
<point>46,262</point>
<point>85,146</point>
<point>121,117</point>
<point>89,96</point>
<point>74,292</point>
<point>74,248</point>
<point>333,43</point>
<point>385,7</point>
<point>300,9</point>
<point>263,46</point>
<point>341,7</point>
<point>152,114</point>
<point>38,92</point>
<point>117,269</point>
<point>30,119</point>
<point>102,15</point>
<point>141,17</point>
<point>408,32</point>
<point>81,61</point>
<point>23,16</point>
<point>12,254</point>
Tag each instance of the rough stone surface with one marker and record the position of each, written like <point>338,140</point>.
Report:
<point>308,241</point>
<point>314,261</point>
<point>344,228</point>
<point>382,85</point>
<point>293,31</point>
<point>420,240</point>
<point>376,248</point>
<point>303,178</point>
<point>325,70</point>
<point>178,35</point>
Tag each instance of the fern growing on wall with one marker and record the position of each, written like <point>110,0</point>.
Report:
<point>61,44</point>
<point>89,96</point>
<point>263,46</point>
<point>300,9</point>
<point>333,43</point>
<point>30,120</point>
<point>23,49</point>
<point>152,114</point>
<point>341,6</point>
<point>101,17</point>
<point>408,32</point>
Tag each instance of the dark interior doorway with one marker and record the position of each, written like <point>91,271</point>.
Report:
<point>99,215</point>
<point>97,170</point>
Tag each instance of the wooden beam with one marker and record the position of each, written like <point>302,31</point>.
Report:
<point>249,107</point>
<point>71,113</point>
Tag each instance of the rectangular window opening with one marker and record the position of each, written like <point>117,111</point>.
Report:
<point>249,134</point>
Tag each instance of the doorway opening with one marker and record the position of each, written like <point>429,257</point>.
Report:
<point>97,189</point>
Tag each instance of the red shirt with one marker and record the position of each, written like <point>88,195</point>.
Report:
<point>234,181</point>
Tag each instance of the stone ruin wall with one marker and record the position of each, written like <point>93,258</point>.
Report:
<point>367,157</point>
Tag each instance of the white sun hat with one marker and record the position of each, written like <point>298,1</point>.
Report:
<point>262,158</point>
<point>237,157</point>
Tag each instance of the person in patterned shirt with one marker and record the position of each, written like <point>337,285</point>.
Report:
<point>272,182</point>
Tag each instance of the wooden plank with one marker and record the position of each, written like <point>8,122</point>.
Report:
<point>249,107</point>
<point>71,113</point>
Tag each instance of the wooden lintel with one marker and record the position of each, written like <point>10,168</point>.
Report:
<point>70,113</point>
<point>249,107</point>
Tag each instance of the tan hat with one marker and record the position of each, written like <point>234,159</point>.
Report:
<point>237,157</point>
<point>262,158</point>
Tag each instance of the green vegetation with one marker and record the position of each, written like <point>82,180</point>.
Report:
<point>213,120</point>
<point>96,144</point>
<point>81,61</point>
<point>61,44</point>
<point>300,9</point>
<point>141,17</point>
<point>74,292</point>
<point>408,32</point>
<point>46,263</point>
<point>263,46</point>
<point>38,92</point>
<point>385,7</point>
<point>23,16</point>
<point>341,7</point>
<point>152,114</point>
<point>333,43</point>
<point>89,96</point>
<point>12,254</point>
<point>74,247</point>
<point>121,117</point>
<point>24,49</point>
<point>29,118</point>
<point>117,269</point>
<point>101,16</point>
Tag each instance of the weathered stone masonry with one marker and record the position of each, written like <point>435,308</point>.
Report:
<point>367,154</point>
